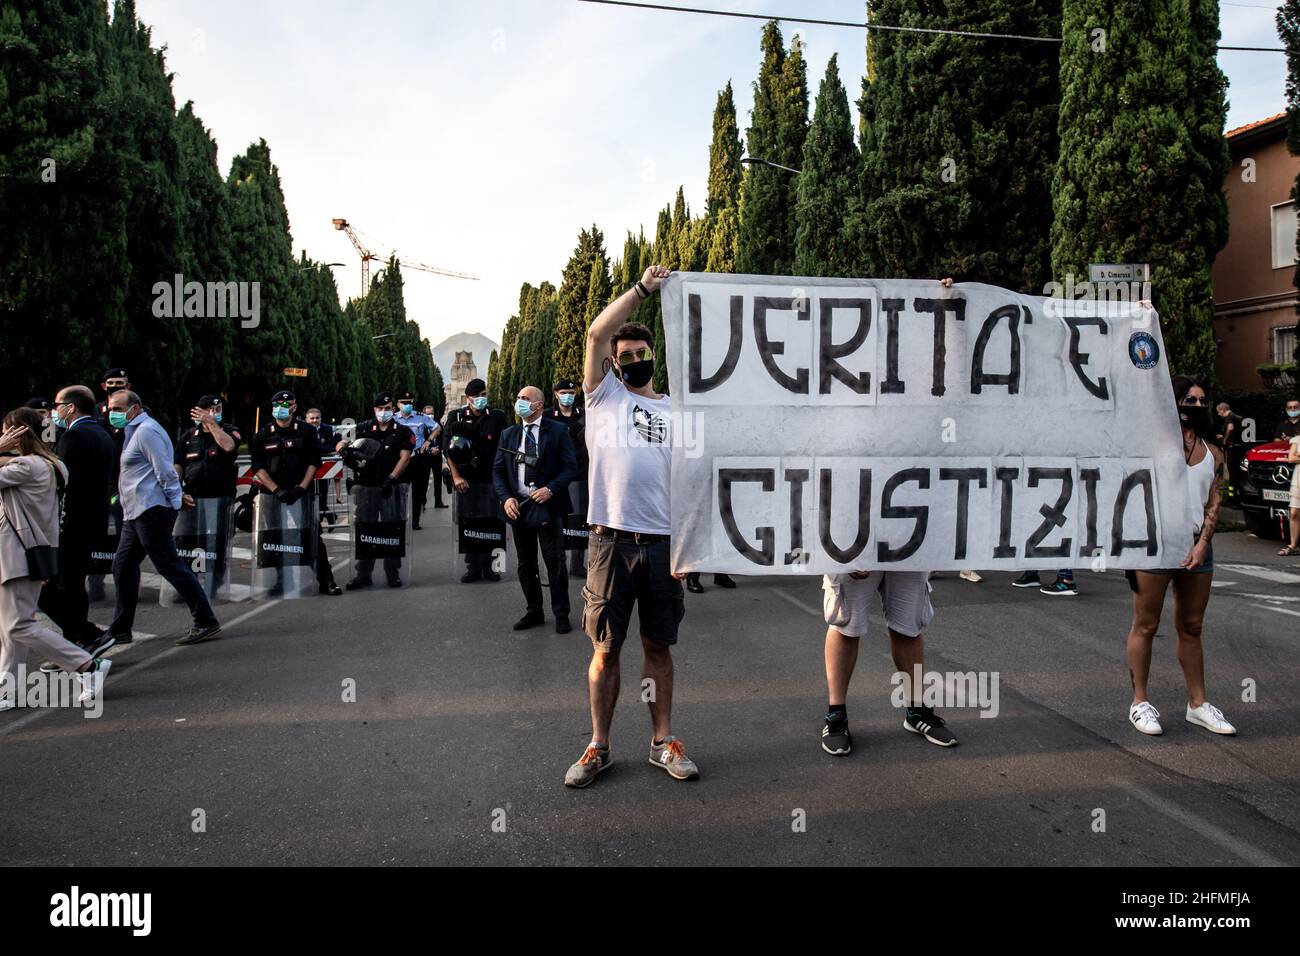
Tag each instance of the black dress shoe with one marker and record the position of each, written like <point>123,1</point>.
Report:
<point>442,506</point>
<point>723,581</point>
<point>470,576</point>
<point>491,576</point>
<point>331,588</point>
<point>356,584</point>
<point>394,581</point>
<point>415,526</point>
<point>562,625</point>
<point>693,584</point>
<point>531,619</point>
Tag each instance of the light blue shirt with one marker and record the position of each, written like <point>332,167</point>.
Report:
<point>420,424</point>
<point>147,478</point>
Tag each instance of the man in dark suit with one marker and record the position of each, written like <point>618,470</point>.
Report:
<point>89,454</point>
<point>535,463</point>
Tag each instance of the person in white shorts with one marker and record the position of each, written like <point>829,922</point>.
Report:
<point>905,599</point>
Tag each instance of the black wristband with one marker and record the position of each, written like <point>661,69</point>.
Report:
<point>641,290</point>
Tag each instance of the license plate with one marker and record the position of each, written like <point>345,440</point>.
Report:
<point>1272,494</point>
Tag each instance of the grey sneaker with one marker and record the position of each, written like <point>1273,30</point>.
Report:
<point>593,761</point>
<point>671,755</point>
<point>198,635</point>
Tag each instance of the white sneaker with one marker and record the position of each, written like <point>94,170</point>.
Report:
<point>1209,717</point>
<point>1146,718</point>
<point>972,576</point>
<point>92,681</point>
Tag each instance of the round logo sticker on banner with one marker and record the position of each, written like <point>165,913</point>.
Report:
<point>1143,351</point>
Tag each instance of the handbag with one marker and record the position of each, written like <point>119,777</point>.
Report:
<point>42,559</point>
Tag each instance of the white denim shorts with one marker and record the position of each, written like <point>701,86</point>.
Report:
<point>904,599</point>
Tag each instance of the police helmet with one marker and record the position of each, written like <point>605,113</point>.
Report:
<point>359,454</point>
<point>460,449</point>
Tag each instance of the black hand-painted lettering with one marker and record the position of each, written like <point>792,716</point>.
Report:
<point>1079,359</point>
<point>1053,516</point>
<point>919,513</point>
<point>963,477</point>
<point>1118,543</point>
<point>797,383</point>
<point>978,377</point>
<point>699,383</point>
<point>765,554</point>
<point>940,308</point>
<point>796,477</point>
<point>1089,477</point>
<point>892,384</point>
<point>826,363</point>
<point>845,555</point>
<point>1008,477</point>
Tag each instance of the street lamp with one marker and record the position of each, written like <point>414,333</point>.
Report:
<point>768,162</point>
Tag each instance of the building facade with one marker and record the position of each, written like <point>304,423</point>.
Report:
<point>463,370</point>
<point>1254,276</point>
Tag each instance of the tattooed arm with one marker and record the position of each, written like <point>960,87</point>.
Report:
<point>1201,549</point>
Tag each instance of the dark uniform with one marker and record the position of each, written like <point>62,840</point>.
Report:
<point>576,423</point>
<point>208,476</point>
<point>285,452</point>
<point>394,438</point>
<point>483,431</point>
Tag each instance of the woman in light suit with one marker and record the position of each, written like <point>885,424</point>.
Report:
<point>29,517</point>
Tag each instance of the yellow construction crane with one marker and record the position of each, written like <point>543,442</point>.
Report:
<point>367,257</point>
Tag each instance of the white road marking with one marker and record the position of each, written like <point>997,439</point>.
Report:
<point>801,605</point>
<point>37,714</point>
<point>1215,834</point>
<point>1266,574</point>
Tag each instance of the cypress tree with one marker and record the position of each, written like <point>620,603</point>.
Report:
<point>1132,184</point>
<point>725,151</point>
<point>962,143</point>
<point>573,317</point>
<point>63,199</point>
<point>828,186</point>
<point>766,192</point>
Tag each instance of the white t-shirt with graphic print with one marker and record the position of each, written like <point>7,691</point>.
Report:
<point>629,442</point>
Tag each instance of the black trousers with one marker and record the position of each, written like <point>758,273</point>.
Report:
<point>550,538</point>
<point>435,466</point>
<point>64,599</point>
<point>151,535</point>
<point>418,470</point>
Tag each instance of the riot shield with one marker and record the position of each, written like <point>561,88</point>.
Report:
<point>204,536</point>
<point>285,540</point>
<point>480,531</point>
<point>381,532</point>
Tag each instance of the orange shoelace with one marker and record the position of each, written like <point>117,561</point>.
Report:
<point>675,748</point>
<point>590,754</point>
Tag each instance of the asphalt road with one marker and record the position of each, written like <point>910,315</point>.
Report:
<point>456,745</point>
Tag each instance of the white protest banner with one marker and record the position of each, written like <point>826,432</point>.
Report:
<point>824,425</point>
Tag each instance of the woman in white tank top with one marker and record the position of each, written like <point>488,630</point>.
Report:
<point>1191,580</point>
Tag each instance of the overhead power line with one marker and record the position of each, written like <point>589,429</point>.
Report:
<point>863,25</point>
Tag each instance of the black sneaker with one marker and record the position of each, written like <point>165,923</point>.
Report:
<point>99,644</point>
<point>1027,580</point>
<point>198,635</point>
<point>394,581</point>
<point>1061,585</point>
<point>836,739</point>
<point>924,721</point>
<point>469,577</point>
<point>491,576</point>
<point>329,588</point>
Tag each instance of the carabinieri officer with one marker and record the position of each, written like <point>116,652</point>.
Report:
<point>205,461</point>
<point>385,472</point>
<point>285,456</point>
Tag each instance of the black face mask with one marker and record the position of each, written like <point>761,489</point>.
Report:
<point>637,374</point>
<point>1195,417</point>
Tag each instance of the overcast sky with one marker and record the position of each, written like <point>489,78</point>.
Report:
<point>480,135</point>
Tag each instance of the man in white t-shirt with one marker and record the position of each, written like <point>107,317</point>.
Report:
<point>629,441</point>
